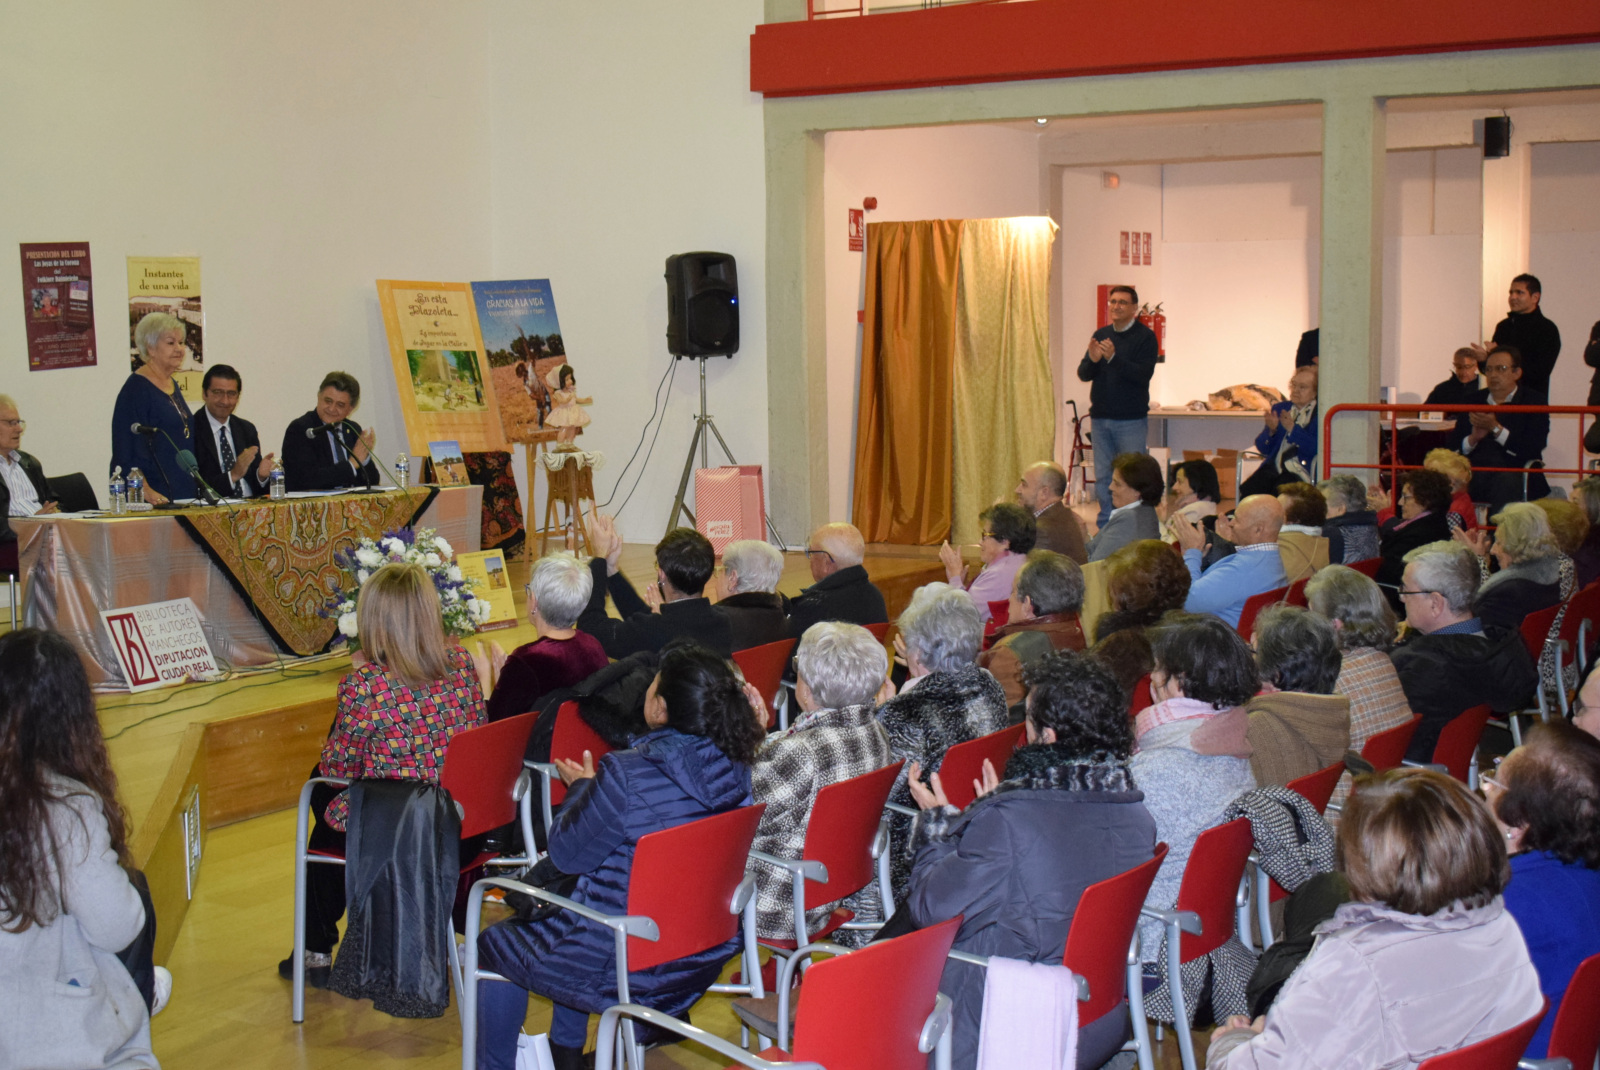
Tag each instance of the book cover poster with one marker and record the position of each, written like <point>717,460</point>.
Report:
<point>449,467</point>
<point>439,365</point>
<point>58,304</point>
<point>170,284</point>
<point>522,339</point>
<point>488,567</point>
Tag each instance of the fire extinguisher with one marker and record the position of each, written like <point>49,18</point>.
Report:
<point>1156,320</point>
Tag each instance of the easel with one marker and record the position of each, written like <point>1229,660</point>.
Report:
<point>569,484</point>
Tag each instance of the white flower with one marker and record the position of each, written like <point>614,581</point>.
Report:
<point>347,624</point>
<point>480,610</point>
<point>368,558</point>
<point>432,560</point>
<point>362,575</point>
<point>393,546</point>
<point>442,547</point>
<point>453,574</point>
<point>450,596</point>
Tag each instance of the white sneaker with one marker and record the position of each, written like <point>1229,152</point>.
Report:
<point>163,990</point>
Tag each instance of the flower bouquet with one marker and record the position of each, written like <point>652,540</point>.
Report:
<point>462,611</point>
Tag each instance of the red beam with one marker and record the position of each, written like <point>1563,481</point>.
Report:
<point>973,43</point>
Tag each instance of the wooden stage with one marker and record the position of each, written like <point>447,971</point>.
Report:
<point>242,748</point>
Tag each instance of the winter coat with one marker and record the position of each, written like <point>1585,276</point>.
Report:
<point>847,595</point>
<point>1517,590</point>
<point>1186,792</point>
<point>1352,537</point>
<point>1020,644</point>
<point>668,779</point>
<point>1444,675</point>
<point>1294,734</point>
<point>1016,862</point>
<point>755,618</point>
<point>823,747</point>
<point>1386,989</point>
<point>924,721</point>
<point>1557,907</point>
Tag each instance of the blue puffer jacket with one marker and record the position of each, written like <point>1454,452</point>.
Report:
<point>669,778</point>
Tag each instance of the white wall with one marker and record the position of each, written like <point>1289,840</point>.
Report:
<point>301,149</point>
<point>949,172</point>
<point>617,141</point>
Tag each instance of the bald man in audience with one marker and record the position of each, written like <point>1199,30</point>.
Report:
<point>1059,529</point>
<point>843,590</point>
<point>1256,567</point>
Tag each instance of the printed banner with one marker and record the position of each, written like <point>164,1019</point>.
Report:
<point>160,644</point>
<point>523,341</point>
<point>488,568</point>
<point>170,284</point>
<point>439,365</point>
<point>58,305</point>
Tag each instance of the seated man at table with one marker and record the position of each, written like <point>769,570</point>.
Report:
<point>1465,384</point>
<point>1504,439</point>
<point>23,490</point>
<point>226,446</point>
<point>677,609</point>
<point>1046,598</point>
<point>325,449</point>
<point>1254,568</point>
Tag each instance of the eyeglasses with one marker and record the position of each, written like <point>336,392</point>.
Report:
<point>1402,592</point>
<point>1498,368</point>
<point>20,425</point>
<point>818,553</point>
<point>991,535</point>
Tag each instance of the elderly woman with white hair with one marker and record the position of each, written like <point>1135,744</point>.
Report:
<point>747,592</point>
<point>842,669</point>
<point>947,699</point>
<point>1534,574</point>
<point>561,656</point>
<point>151,399</point>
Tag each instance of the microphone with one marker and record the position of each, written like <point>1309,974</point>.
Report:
<point>338,429</point>
<point>186,461</point>
<point>144,429</point>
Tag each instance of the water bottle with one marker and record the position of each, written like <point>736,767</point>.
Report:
<point>119,492</point>
<point>275,484</point>
<point>402,471</point>
<point>135,487</point>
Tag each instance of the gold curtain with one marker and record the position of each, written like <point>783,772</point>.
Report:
<point>1005,410</point>
<point>903,472</point>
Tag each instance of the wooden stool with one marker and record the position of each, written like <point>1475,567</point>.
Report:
<point>571,484</point>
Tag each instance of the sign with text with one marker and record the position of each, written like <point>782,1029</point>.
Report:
<point>522,338</point>
<point>439,365</point>
<point>170,284</point>
<point>160,644</point>
<point>58,305</point>
<point>488,567</point>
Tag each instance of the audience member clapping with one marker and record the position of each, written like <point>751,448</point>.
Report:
<point>1298,725</point>
<point>1546,799</point>
<point>1424,508</point>
<point>1046,598</point>
<point>747,586</point>
<point>1008,534</point>
<point>1351,526</point>
<point>1534,574</point>
<point>558,588</point>
<point>1136,487</point>
<point>1257,567</point>
<point>842,668</point>
<point>1424,959</point>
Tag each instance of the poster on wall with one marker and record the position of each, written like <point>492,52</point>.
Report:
<point>58,305</point>
<point>170,284</point>
<point>522,338</point>
<point>439,365</point>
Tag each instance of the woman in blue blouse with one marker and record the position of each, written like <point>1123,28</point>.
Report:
<point>151,398</point>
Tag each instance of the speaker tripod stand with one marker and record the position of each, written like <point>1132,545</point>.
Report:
<point>704,423</point>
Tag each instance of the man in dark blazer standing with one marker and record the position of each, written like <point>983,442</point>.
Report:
<point>325,449</point>
<point>226,446</point>
<point>1505,439</point>
<point>677,606</point>
<point>23,488</point>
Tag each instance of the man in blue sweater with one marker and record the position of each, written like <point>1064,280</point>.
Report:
<point>1224,588</point>
<point>1119,362</point>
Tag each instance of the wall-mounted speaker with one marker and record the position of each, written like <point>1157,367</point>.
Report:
<point>1496,137</point>
<point>702,305</point>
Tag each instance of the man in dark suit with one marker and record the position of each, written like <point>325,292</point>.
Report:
<point>23,488</point>
<point>677,608</point>
<point>324,448</point>
<point>843,590</point>
<point>227,446</point>
<point>1506,439</point>
<point>1058,528</point>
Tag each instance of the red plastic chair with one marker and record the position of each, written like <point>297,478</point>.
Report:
<point>1575,1036</point>
<point>483,775</point>
<point>880,630</point>
<point>1253,607</point>
<point>846,844</point>
<point>1499,1052</point>
<point>963,763</point>
<point>1387,749</point>
<point>1318,787</point>
<point>1536,636</point>
<point>1142,697</point>
<point>687,892</point>
<point>1457,749</point>
<point>569,739</point>
<point>1369,567</point>
<point>763,666</point>
<point>1297,593</point>
<point>1212,900</point>
<point>1585,609</point>
<point>1102,946</point>
<point>874,1009</point>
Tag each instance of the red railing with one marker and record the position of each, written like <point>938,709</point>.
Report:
<point>1397,412</point>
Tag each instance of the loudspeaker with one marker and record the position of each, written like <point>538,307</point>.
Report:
<point>702,305</point>
<point>1496,137</point>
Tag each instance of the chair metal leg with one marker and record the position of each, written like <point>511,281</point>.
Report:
<point>11,584</point>
<point>297,1008</point>
<point>1141,1025</point>
<point>1263,897</point>
<point>1180,1011</point>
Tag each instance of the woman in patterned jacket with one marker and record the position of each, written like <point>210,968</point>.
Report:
<point>842,669</point>
<point>409,692</point>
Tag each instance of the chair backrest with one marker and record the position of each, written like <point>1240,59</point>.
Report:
<point>481,766</point>
<point>844,820</point>
<point>1368,567</point>
<point>1142,696</point>
<point>73,492</point>
<point>866,1010</point>
<point>880,630</point>
<point>569,739</point>
<point>963,763</point>
<point>1000,612</point>
<point>1253,607</point>
<point>1297,593</point>
<point>763,666</point>
<point>1576,1033</point>
<point>684,878</point>
<point>1102,928</point>
<point>1318,787</point>
<point>1499,1052</point>
<point>1458,741</point>
<point>1536,628</point>
<point>1387,749</point>
<point>1211,885</point>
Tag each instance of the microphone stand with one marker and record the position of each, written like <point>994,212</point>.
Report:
<point>207,495</point>
<point>146,431</point>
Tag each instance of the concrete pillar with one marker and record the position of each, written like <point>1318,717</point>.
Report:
<point>1507,220</point>
<point>1353,157</point>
